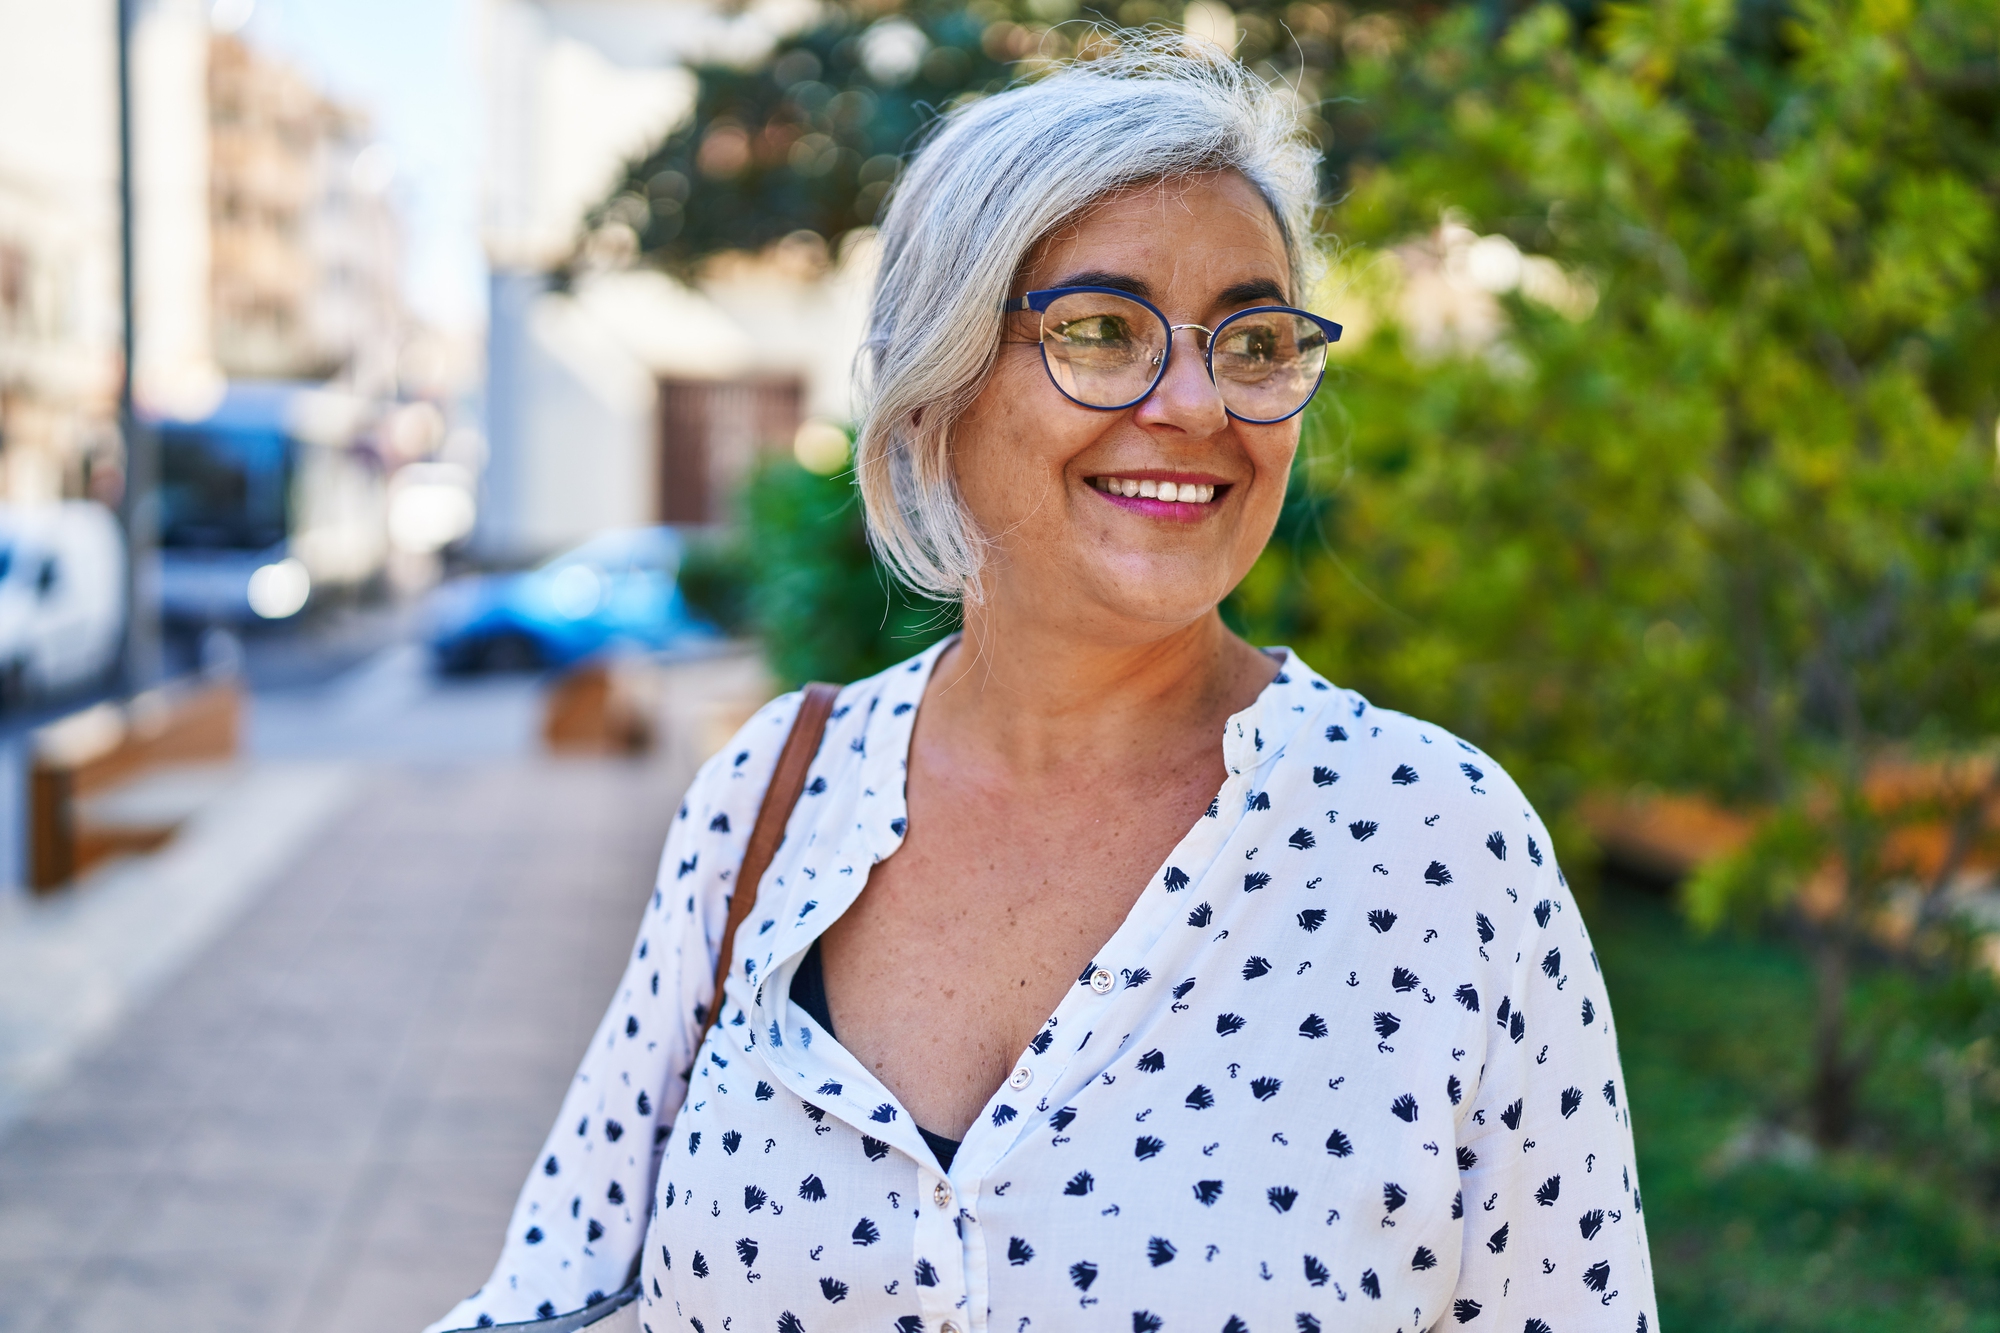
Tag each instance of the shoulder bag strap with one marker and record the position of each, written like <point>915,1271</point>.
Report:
<point>779,798</point>
<point>787,782</point>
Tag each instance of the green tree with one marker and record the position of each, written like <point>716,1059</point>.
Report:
<point>812,137</point>
<point>1713,503</point>
<point>809,140</point>
<point>826,608</point>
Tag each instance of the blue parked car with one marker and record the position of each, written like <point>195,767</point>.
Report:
<point>615,591</point>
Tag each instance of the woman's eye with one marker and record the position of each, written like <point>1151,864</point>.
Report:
<point>1096,329</point>
<point>1254,344</point>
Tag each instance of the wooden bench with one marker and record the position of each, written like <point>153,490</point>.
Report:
<point>684,707</point>
<point>603,706</point>
<point>121,778</point>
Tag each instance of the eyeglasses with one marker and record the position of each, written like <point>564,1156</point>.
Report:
<point>1108,349</point>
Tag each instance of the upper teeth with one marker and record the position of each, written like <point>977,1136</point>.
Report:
<point>1187,492</point>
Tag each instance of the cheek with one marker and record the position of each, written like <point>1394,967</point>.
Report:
<point>1010,448</point>
<point>1271,450</point>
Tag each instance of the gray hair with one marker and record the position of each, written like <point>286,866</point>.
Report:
<point>998,176</point>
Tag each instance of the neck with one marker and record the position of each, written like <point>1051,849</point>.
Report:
<point>1037,695</point>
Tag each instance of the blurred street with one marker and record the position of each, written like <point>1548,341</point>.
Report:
<point>286,1073</point>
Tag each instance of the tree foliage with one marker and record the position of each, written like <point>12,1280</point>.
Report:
<point>1787,379</point>
<point>826,608</point>
<point>812,138</point>
<point>809,140</point>
<point>1730,520</point>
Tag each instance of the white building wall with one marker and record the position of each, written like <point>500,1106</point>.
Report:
<point>808,325</point>
<point>570,430</point>
<point>355,309</point>
<point>574,90</point>
<point>59,334</point>
<point>569,412</point>
<point>175,367</point>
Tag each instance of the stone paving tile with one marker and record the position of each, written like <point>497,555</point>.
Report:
<point>29,1285</point>
<point>55,1219</point>
<point>132,1293</point>
<point>321,1125</point>
<point>118,1140</point>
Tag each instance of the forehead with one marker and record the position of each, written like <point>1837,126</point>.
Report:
<point>1210,229</point>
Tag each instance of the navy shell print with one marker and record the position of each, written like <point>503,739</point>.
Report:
<point>1348,1063</point>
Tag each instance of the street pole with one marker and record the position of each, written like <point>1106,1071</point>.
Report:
<point>139,504</point>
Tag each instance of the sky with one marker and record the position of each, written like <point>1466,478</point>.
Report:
<point>413,65</point>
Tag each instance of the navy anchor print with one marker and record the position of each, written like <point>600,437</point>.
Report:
<point>1328,1074</point>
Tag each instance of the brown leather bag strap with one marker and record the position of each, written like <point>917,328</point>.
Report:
<point>787,782</point>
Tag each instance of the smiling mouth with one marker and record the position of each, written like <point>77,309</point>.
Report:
<point>1187,493</point>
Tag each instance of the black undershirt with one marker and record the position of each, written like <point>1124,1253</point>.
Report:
<point>809,994</point>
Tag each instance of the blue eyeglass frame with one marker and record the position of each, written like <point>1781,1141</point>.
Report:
<point>1038,302</point>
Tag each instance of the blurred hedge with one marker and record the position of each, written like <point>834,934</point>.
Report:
<point>824,606</point>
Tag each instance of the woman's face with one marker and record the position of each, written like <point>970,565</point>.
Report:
<point>1033,465</point>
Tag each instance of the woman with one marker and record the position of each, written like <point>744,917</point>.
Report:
<point>1112,972</point>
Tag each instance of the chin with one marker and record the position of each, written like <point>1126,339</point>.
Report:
<point>1168,597</point>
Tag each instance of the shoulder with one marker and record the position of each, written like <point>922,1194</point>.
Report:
<point>863,710</point>
<point>1408,805</point>
<point>873,716</point>
<point>893,692</point>
<point>742,768</point>
<point>1390,758</point>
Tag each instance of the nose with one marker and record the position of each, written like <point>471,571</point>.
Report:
<point>1185,398</point>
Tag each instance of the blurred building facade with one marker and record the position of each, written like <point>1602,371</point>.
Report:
<point>265,243</point>
<point>616,395</point>
<point>59,238</point>
<point>303,245</point>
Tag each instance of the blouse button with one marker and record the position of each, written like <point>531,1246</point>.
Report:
<point>1021,1078</point>
<point>941,1194</point>
<point>1102,981</point>
<point>948,1327</point>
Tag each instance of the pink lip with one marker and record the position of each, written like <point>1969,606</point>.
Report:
<point>1171,511</point>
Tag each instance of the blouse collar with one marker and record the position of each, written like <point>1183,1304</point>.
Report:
<point>1251,738</point>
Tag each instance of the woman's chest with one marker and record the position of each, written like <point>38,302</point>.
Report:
<point>963,943</point>
<point>1190,1167</point>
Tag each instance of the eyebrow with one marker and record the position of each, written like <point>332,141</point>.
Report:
<point>1257,291</point>
<point>1100,278</point>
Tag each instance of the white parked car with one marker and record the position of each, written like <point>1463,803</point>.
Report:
<point>62,596</point>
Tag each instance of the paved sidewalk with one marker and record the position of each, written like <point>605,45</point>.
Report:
<point>75,964</point>
<point>321,1122</point>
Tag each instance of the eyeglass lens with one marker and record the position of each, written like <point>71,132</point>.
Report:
<point>1105,351</point>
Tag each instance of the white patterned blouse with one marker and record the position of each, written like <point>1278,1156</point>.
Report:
<point>1347,1064</point>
